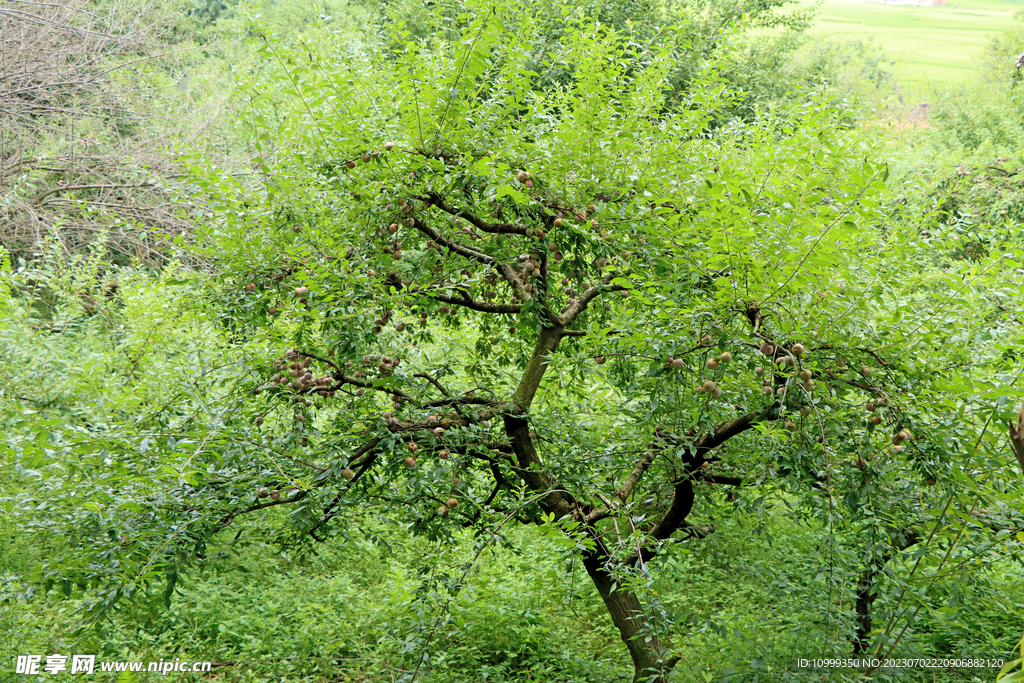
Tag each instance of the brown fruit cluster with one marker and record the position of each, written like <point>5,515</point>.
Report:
<point>296,374</point>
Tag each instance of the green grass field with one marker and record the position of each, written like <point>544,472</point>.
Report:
<point>929,45</point>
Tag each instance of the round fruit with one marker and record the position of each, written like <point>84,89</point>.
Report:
<point>725,357</point>
<point>930,481</point>
<point>443,455</point>
<point>875,420</point>
<point>301,291</point>
<point>410,462</point>
<point>767,391</point>
<point>759,371</point>
<point>439,431</point>
<point>716,392</point>
<point>712,364</point>
<point>452,502</point>
<point>259,420</point>
<point>805,410</point>
<point>262,492</point>
<point>389,146</point>
<point>904,434</point>
<point>600,360</point>
<point>558,222</point>
<point>442,511</point>
<point>798,349</point>
<point>400,327</point>
<point>348,474</point>
<point>767,349</point>
<point>250,287</point>
<point>412,446</point>
<point>805,374</point>
<point>706,340</point>
<point>522,176</point>
<point>678,363</point>
<point>866,371</point>
<point>275,495</point>
<point>709,386</point>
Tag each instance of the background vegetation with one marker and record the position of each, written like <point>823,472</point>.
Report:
<point>138,142</point>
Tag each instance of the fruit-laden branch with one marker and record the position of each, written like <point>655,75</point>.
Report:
<point>464,251</point>
<point>468,302</point>
<point>682,501</point>
<point>494,228</point>
<point>580,305</point>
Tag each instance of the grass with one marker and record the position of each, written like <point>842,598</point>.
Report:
<point>928,45</point>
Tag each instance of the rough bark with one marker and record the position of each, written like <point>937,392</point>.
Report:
<point>649,661</point>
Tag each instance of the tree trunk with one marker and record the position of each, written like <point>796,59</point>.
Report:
<point>649,662</point>
<point>865,599</point>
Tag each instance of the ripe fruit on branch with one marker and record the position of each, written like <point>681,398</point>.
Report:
<point>259,420</point>
<point>522,176</point>
<point>399,327</point>
<point>389,146</point>
<point>439,431</point>
<point>410,462</point>
<point>262,492</point>
<point>716,392</point>
<point>866,371</point>
<point>759,371</point>
<point>898,438</point>
<point>705,340</point>
<point>790,425</point>
<point>366,157</point>
<point>301,291</point>
<point>798,349</point>
<point>930,481</point>
<point>452,502</point>
<point>904,434</point>
<point>767,349</point>
<point>412,447</point>
<point>251,287</point>
<point>678,363</point>
<point>348,474</point>
<point>600,360</point>
<point>275,495</point>
<point>393,228</point>
<point>712,364</point>
<point>725,357</point>
<point>805,374</point>
<point>767,391</point>
<point>805,410</point>
<point>708,386</point>
<point>443,455</point>
<point>442,511</point>
<point>875,420</point>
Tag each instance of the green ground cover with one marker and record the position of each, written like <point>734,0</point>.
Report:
<point>928,45</point>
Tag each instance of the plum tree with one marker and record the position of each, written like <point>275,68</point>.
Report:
<point>704,229</point>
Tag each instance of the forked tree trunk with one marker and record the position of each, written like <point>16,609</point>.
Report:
<point>649,662</point>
